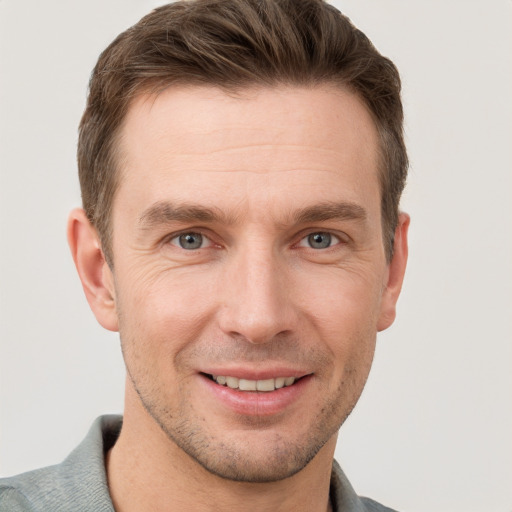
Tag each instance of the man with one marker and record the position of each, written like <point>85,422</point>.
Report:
<point>241,165</point>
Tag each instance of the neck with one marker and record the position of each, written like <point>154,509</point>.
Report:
<point>147,471</point>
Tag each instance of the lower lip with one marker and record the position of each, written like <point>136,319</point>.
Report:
<point>257,403</point>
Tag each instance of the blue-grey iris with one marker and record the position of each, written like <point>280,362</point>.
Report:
<point>191,241</point>
<point>319,240</point>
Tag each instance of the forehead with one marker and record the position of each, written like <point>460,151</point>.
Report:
<point>285,141</point>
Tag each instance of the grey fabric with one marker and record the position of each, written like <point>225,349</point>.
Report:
<point>79,483</point>
<point>345,499</point>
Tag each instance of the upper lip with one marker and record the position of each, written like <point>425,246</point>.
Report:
<point>257,373</point>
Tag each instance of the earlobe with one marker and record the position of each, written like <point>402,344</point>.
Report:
<point>396,271</point>
<point>95,275</point>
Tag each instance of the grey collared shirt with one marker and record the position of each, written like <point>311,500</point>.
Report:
<point>79,483</point>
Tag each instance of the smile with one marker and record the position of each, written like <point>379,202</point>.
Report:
<point>265,385</point>
<point>263,396</point>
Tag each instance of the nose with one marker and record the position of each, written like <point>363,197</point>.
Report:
<point>257,297</point>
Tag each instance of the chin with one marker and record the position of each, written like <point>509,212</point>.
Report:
<point>251,456</point>
<point>250,463</point>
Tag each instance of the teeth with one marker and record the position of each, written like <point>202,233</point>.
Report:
<point>279,382</point>
<point>265,385</point>
<point>232,382</point>
<point>289,381</point>
<point>247,385</point>
<point>254,385</point>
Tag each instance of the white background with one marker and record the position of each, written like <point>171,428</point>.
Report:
<point>433,430</point>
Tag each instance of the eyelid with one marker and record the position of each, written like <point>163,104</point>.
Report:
<point>198,231</point>
<point>335,240</point>
<point>340,238</point>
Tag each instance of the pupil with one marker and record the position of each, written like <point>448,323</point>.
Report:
<point>320,240</point>
<point>191,240</point>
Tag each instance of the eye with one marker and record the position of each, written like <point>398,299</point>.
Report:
<point>190,241</point>
<point>319,240</point>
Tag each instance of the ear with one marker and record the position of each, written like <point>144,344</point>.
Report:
<point>94,272</point>
<point>396,271</point>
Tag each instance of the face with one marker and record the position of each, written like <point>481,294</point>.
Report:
<point>249,275</point>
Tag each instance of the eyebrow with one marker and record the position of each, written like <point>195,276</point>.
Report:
<point>164,212</point>
<point>330,211</point>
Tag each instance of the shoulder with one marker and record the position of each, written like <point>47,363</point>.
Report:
<point>27,491</point>
<point>11,500</point>
<point>78,484</point>
<point>373,506</point>
<point>345,498</point>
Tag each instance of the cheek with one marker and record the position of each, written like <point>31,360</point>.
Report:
<point>341,301</point>
<point>160,313</point>
<point>343,315</point>
<point>159,293</point>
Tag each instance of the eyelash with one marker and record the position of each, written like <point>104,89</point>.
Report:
<point>306,240</point>
<point>195,233</point>
<point>331,237</point>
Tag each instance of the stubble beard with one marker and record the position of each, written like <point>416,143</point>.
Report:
<point>242,460</point>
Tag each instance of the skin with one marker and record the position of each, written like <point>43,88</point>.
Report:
<point>254,174</point>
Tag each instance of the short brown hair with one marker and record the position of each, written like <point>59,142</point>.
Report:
<point>234,44</point>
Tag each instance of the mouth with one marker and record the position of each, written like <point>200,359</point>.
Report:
<point>262,385</point>
<point>253,393</point>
